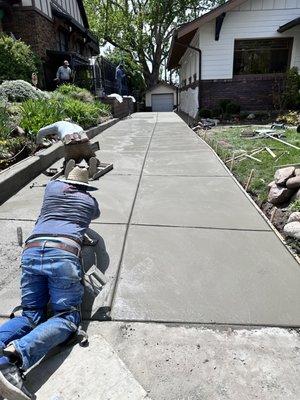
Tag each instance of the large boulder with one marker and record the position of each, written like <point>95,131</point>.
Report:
<point>292,229</point>
<point>293,183</point>
<point>296,196</point>
<point>294,217</point>
<point>297,171</point>
<point>283,174</point>
<point>279,194</point>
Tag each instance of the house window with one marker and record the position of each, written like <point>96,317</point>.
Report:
<point>63,43</point>
<point>262,56</point>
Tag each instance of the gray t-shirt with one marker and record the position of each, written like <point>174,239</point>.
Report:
<point>64,73</point>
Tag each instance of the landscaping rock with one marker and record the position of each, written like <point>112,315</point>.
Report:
<point>292,229</point>
<point>279,194</point>
<point>297,171</point>
<point>271,184</point>
<point>17,132</point>
<point>293,183</point>
<point>283,174</point>
<point>294,217</point>
<point>251,116</point>
<point>296,196</point>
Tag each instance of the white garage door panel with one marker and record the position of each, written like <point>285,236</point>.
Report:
<point>162,102</point>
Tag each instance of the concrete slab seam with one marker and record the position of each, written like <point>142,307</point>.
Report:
<point>115,286</point>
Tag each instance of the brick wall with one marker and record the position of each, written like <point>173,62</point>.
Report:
<point>251,92</point>
<point>34,29</point>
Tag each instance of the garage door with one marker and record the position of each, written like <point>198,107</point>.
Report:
<point>162,102</point>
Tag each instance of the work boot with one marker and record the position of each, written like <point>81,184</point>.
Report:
<point>93,166</point>
<point>69,166</point>
<point>12,384</point>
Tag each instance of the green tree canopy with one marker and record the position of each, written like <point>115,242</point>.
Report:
<point>17,60</point>
<point>143,28</point>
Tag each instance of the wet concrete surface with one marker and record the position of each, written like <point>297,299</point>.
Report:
<point>182,246</point>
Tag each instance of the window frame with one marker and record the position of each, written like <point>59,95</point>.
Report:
<point>290,41</point>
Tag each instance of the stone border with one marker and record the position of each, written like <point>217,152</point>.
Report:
<point>17,176</point>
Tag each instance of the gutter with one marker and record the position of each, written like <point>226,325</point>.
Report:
<point>200,68</point>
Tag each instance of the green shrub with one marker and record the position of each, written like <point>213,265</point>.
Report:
<point>76,93</point>
<point>205,113</point>
<point>84,114</point>
<point>216,112</point>
<point>38,113</point>
<point>233,108</point>
<point>291,95</point>
<point>223,104</point>
<point>4,122</point>
<point>18,91</point>
<point>17,60</point>
<point>295,206</point>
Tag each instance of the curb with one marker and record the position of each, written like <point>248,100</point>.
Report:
<point>14,178</point>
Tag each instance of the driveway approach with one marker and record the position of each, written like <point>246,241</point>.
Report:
<point>180,240</point>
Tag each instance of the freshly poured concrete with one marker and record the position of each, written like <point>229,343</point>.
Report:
<point>105,256</point>
<point>195,202</point>
<point>207,276</point>
<point>196,249</point>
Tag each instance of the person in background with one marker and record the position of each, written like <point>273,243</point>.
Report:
<point>76,142</point>
<point>120,76</point>
<point>64,73</point>
<point>51,273</point>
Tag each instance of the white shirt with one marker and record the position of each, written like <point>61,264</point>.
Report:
<point>59,129</point>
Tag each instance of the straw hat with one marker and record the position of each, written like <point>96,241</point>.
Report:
<point>79,176</point>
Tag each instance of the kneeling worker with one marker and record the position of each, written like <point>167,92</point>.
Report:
<point>76,141</point>
<point>51,273</point>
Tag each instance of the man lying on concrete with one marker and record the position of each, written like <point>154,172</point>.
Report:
<point>76,141</point>
<point>51,273</point>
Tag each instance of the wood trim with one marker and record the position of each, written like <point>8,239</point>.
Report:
<point>190,26</point>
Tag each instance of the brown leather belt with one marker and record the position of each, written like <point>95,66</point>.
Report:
<point>56,245</point>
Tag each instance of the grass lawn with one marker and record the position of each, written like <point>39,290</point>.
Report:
<point>229,140</point>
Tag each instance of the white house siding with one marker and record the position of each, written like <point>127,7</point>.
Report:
<point>26,3</point>
<point>160,89</point>
<point>254,19</point>
<point>69,6</point>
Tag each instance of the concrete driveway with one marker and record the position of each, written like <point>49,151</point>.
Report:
<point>182,247</point>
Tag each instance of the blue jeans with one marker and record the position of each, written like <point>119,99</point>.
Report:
<point>48,275</point>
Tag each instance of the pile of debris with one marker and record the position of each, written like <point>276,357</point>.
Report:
<point>206,123</point>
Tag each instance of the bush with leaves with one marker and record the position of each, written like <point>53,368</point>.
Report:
<point>4,122</point>
<point>19,90</point>
<point>85,114</point>
<point>38,113</point>
<point>75,92</point>
<point>17,60</point>
<point>290,98</point>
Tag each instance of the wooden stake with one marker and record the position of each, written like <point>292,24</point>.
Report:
<point>270,152</point>
<point>282,141</point>
<point>273,214</point>
<point>249,180</point>
<point>253,158</point>
<point>232,162</point>
<point>205,136</point>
